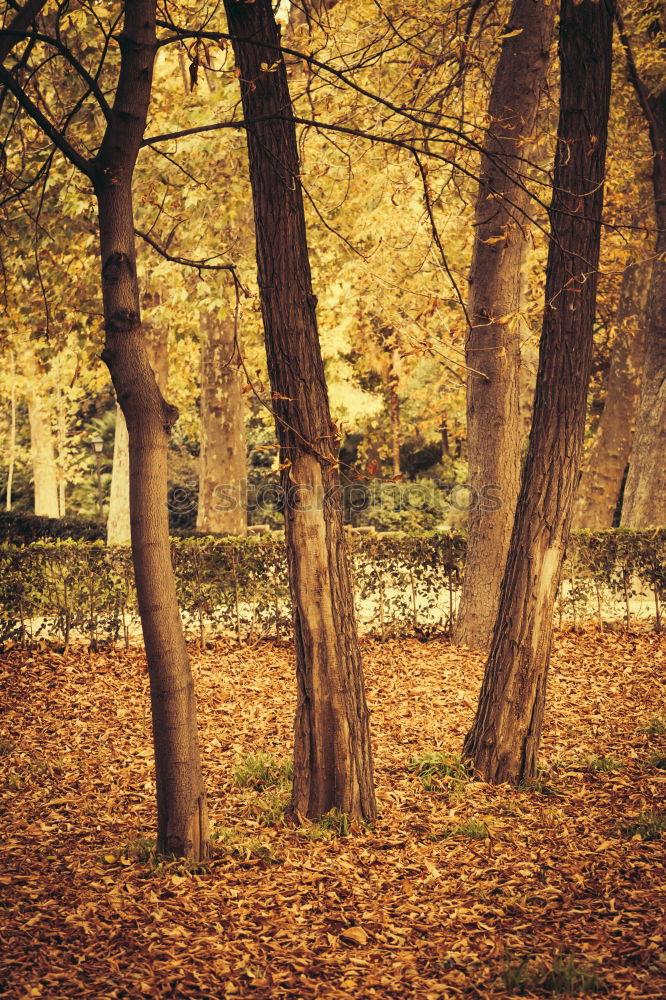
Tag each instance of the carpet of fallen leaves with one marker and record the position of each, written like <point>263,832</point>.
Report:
<point>411,908</point>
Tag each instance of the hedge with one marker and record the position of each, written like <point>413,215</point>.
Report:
<point>238,586</point>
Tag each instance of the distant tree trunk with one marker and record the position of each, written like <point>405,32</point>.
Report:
<point>118,530</point>
<point>42,452</point>
<point>601,482</point>
<point>392,382</point>
<point>222,459</point>
<point>181,798</point>
<point>644,504</point>
<point>504,739</point>
<point>493,342</point>
<point>332,753</point>
<point>11,457</point>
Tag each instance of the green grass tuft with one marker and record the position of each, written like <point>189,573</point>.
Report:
<point>262,770</point>
<point>438,771</point>
<point>473,829</point>
<point>647,826</point>
<point>566,977</point>
<point>656,726</point>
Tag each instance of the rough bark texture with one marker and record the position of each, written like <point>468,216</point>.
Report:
<point>181,799</point>
<point>332,753</point>
<point>601,481</point>
<point>644,504</point>
<point>504,739</point>
<point>42,452</point>
<point>118,528</point>
<point>222,458</point>
<point>493,342</point>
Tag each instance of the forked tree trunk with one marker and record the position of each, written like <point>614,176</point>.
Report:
<point>118,530</point>
<point>600,484</point>
<point>644,504</point>
<point>504,739</point>
<point>332,753</point>
<point>222,458</point>
<point>181,798</point>
<point>493,343</point>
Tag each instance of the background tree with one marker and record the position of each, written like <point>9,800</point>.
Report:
<point>492,349</point>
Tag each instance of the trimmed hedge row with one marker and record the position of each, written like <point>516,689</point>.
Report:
<point>239,586</point>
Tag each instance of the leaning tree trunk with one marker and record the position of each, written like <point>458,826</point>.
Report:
<point>332,753</point>
<point>181,798</point>
<point>601,482</point>
<point>493,342</point>
<point>644,503</point>
<point>222,457</point>
<point>118,529</point>
<point>504,739</point>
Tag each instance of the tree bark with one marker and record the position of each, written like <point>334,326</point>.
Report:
<point>222,458</point>
<point>601,481</point>
<point>42,452</point>
<point>181,798</point>
<point>332,753</point>
<point>493,342</point>
<point>644,504</point>
<point>504,739</point>
<point>118,528</point>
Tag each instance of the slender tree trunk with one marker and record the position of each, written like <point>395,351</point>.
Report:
<point>11,457</point>
<point>504,739</point>
<point>222,460</point>
<point>181,798</point>
<point>601,481</point>
<point>493,342</point>
<point>332,753</point>
<point>392,382</point>
<point>118,530</point>
<point>42,452</point>
<point>644,504</point>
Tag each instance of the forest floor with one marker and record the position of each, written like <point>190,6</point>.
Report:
<point>460,890</point>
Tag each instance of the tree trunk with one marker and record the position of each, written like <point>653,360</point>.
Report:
<point>504,739</point>
<point>332,753</point>
<point>181,798</point>
<point>493,342</point>
<point>222,459</point>
<point>644,504</point>
<point>11,457</point>
<point>392,381</point>
<point>44,469</point>
<point>601,482</point>
<point>118,530</point>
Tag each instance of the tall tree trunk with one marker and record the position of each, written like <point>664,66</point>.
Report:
<point>644,503</point>
<point>42,452</point>
<point>504,739</point>
<point>181,798</point>
<point>118,530</point>
<point>493,342</point>
<point>601,481</point>
<point>392,382</point>
<point>222,459</point>
<point>332,753</point>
